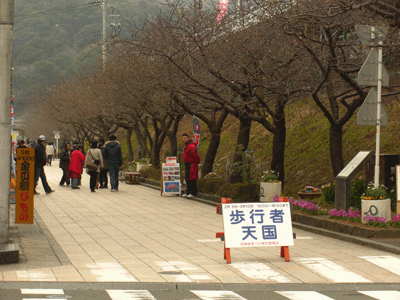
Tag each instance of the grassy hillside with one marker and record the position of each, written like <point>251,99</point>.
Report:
<point>307,159</point>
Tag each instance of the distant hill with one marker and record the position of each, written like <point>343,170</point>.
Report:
<point>55,38</point>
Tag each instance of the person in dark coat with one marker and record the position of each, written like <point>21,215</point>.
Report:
<point>191,159</point>
<point>40,162</point>
<point>103,178</point>
<point>113,155</point>
<point>21,144</point>
<point>65,158</point>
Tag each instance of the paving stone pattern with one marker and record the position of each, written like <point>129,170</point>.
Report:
<point>135,235</point>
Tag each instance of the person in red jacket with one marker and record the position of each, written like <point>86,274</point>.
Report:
<point>75,166</point>
<point>191,159</point>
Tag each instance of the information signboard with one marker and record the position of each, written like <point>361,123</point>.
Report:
<point>257,224</point>
<point>171,178</point>
<point>25,185</point>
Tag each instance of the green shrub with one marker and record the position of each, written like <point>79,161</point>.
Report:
<point>329,192</point>
<point>210,186</point>
<point>356,191</point>
<point>151,173</point>
<point>242,192</point>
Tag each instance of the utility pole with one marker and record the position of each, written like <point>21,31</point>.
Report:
<point>6,32</point>
<point>103,47</point>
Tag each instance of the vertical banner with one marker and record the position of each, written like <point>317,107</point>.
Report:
<point>25,185</point>
<point>222,10</point>
<point>196,132</point>
<point>12,135</point>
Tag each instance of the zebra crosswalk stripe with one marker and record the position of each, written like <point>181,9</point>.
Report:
<point>382,295</point>
<point>387,262</point>
<point>42,291</point>
<point>304,295</point>
<point>217,295</point>
<point>130,295</point>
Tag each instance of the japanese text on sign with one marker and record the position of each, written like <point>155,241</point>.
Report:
<point>25,185</point>
<point>257,224</point>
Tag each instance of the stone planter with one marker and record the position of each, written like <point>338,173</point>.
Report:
<point>304,195</point>
<point>140,166</point>
<point>269,190</point>
<point>376,208</point>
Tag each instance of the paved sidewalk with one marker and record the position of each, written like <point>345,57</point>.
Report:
<point>135,235</point>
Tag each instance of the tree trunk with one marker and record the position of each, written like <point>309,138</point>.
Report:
<point>172,135</point>
<point>215,129</point>
<point>128,143</point>
<point>173,141</point>
<point>155,156</point>
<point>336,148</point>
<point>211,151</point>
<point>242,142</point>
<point>278,146</point>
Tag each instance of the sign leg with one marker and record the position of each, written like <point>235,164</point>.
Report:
<point>285,253</point>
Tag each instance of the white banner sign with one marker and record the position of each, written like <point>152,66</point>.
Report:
<point>171,178</point>
<point>257,224</point>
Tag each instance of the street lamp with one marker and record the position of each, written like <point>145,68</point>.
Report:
<point>57,135</point>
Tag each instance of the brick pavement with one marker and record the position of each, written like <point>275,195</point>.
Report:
<point>135,235</point>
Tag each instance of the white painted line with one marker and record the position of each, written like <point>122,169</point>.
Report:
<point>382,295</point>
<point>130,295</point>
<point>389,263</point>
<point>331,270</point>
<point>42,291</point>
<point>53,298</point>
<point>218,295</point>
<point>209,241</point>
<point>111,272</point>
<point>176,265</point>
<point>259,271</point>
<point>199,277</point>
<point>304,238</point>
<point>304,295</point>
<point>180,278</point>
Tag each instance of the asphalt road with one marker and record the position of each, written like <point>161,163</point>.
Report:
<point>157,291</point>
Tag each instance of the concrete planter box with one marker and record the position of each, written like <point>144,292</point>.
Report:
<point>376,208</point>
<point>269,190</point>
<point>324,222</point>
<point>140,166</point>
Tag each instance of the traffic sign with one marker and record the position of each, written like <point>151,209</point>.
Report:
<point>368,34</point>
<point>367,114</point>
<point>368,75</point>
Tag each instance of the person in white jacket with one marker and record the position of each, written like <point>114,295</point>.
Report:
<point>94,153</point>
<point>49,153</point>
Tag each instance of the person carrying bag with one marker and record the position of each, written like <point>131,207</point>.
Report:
<point>93,163</point>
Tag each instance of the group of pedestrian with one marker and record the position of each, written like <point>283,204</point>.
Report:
<point>101,158</point>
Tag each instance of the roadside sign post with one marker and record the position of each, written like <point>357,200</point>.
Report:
<point>256,225</point>
<point>373,73</point>
<point>24,189</point>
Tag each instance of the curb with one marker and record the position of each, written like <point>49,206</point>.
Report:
<point>349,238</point>
<point>333,234</point>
